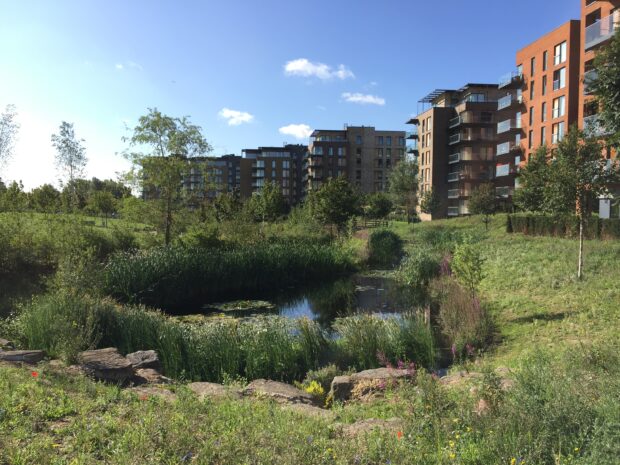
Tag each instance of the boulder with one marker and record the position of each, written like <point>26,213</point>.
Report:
<point>280,392</point>
<point>460,378</point>
<point>368,381</point>
<point>363,427</point>
<point>145,359</point>
<point>145,392</point>
<point>6,344</point>
<point>22,356</point>
<point>106,365</point>
<point>310,411</point>
<point>214,391</point>
<point>149,376</point>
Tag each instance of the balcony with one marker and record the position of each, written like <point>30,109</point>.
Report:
<point>508,125</point>
<point>454,193</point>
<point>508,101</point>
<point>412,135</point>
<point>454,139</point>
<point>454,158</point>
<point>507,147</point>
<point>588,79</point>
<point>454,122</point>
<point>601,31</point>
<point>592,126</point>
<point>414,121</point>
<point>453,177</point>
<point>503,192</point>
<point>453,211</point>
<point>514,79</point>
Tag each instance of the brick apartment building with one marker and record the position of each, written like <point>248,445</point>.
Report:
<point>362,154</point>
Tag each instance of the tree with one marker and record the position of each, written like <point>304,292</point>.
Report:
<point>606,87</point>
<point>430,203</point>
<point>74,195</point>
<point>9,128</point>
<point>378,205</point>
<point>70,156</point>
<point>403,185</point>
<point>533,179</point>
<point>103,203</point>
<point>268,204</point>
<point>482,201</point>
<point>174,143</point>
<point>335,203</point>
<point>227,206</point>
<point>45,199</point>
<point>14,198</point>
<point>578,176</point>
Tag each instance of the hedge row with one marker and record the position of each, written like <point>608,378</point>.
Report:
<point>562,226</point>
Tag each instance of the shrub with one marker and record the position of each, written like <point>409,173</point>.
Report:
<point>467,265</point>
<point>417,270</point>
<point>323,376</point>
<point>562,226</point>
<point>385,247</point>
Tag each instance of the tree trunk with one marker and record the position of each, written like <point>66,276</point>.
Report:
<point>580,266</point>
<point>168,219</point>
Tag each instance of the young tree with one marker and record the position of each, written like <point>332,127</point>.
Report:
<point>227,206</point>
<point>578,176</point>
<point>430,202</point>
<point>483,202</point>
<point>403,185</point>
<point>103,203</point>
<point>268,204</point>
<point>160,172</point>
<point>378,205</point>
<point>606,87</point>
<point>335,203</point>
<point>45,199</point>
<point>70,155</point>
<point>533,179</point>
<point>14,198</point>
<point>8,133</point>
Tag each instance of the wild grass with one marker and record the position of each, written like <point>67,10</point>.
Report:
<point>176,278</point>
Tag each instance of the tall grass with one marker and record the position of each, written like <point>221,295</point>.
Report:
<point>177,277</point>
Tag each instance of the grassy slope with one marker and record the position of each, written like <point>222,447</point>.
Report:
<point>531,287</point>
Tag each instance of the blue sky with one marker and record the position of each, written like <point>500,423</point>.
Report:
<point>101,64</point>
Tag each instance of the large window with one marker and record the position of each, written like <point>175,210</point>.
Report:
<point>543,136</point>
<point>545,59</point>
<point>533,66</point>
<point>532,93</point>
<point>379,140</point>
<point>559,53</point>
<point>388,140</point>
<point>559,79</point>
<point>341,151</point>
<point>557,132</point>
<point>543,112</point>
<point>544,85</point>
<point>559,107</point>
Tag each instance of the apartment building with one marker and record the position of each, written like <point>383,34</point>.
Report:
<point>362,154</point>
<point>457,132</point>
<point>280,165</point>
<point>600,20</point>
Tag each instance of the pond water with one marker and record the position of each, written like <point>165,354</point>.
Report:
<point>356,294</point>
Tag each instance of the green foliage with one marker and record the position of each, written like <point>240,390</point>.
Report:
<point>335,203</point>
<point>385,247</point>
<point>70,155</point>
<point>227,206</point>
<point>9,127</point>
<point>467,265</point>
<point>403,185</point>
<point>563,226</point>
<point>45,199</point>
<point>103,203</point>
<point>430,203</point>
<point>268,204</point>
<point>13,198</point>
<point>533,180</point>
<point>606,87</point>
<point>178,277</point>
<point>483,202</point>
<point>378,205</point>
<point>417,270</point>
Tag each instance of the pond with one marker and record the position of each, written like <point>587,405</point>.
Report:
<point>373,293</point>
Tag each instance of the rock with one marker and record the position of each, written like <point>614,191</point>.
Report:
<point>310,410</point>
<point>149,376</point>
<point>145,359</point>
<point>482,407</point>
<point>366,382</point>
<point>459,379</point>
<point>214,391</point>
<point>6,344</point>
<point>22,356</point>
<point>363,427</point>
<point>145,392</point>
<point>280,392</point>
<point>106,365</point>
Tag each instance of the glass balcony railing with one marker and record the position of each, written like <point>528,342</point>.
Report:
<point>452,177</point>
<point>511,78</point>
<point>453,211</point>
<point>588,79</point>
<point>454,139</point>
<point>454,122</point>
<point>503,192</point>
<point>508,101</point>
<point>412,135</point>
<point>508,125</point>
<point>602,30</point>
<point>454,193</point>
<point>593,127</point>
<point>454,158</point>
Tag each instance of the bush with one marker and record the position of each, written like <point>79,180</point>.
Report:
<point>440,238</point>
<point>562,226</point>
<point>417,270</point>
<point>385,248</point>
<point>179,277</point>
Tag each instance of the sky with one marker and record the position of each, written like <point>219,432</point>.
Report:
<point>250,73</point>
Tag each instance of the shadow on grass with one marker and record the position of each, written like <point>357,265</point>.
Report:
<point>541,317</point>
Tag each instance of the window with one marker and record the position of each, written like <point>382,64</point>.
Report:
<point>261,163</point>
<point>379,140</point>
<point>401,141</point>
<point>358,152</point>
<point>286,164</point>
<point>330,151</point>
<point>531,116</point>
<point>559,105</point>
<point>543,136</point>
<point>380,152</point>
<point>544,85</point>
<point>559,79</point>
<point>341,151</point>
<point>358,140</point>
<point>388,153</point>
<point>286,173</point>
<point>557,132</point>
<point>545,59</point>
<point>543,112</point>
<point>388,140</point>
<point>520,70</point>
<point>532,90</point>
<point>559,54</point>
<point>532,66</point>
<point>530,140</point>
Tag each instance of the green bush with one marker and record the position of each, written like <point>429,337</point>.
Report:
<point>385,248</point>
<point>417,270</point>
<point>180,277</point>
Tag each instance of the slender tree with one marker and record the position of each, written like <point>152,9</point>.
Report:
<point>403,186</point>
<point>70,157</point>
<point>335,203</point>
<point>160,172</point>
<point>102,202</point>
<point>9,127</point>
<point>533,180</point>
<point>483,202</point>
<point>430,203</point>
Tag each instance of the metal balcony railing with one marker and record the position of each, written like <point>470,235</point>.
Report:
<point>601,31</point>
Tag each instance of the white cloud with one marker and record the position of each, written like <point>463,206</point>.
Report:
<point>305,68</point>
<point>119,66</point>
<point>298,131</point>
<point>234,117</point>
<point>129,65</point>
<point>363,99</point>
